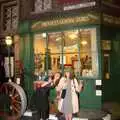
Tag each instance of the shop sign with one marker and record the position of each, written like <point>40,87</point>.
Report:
<point>108,1</point>
<point>111,19</point>
<point>89,18</point>
<point>62,2</point>
<point>112,3</point>
<point>81,5</point>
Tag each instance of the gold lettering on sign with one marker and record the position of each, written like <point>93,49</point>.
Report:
<point>111,19</point>
<point>64,21</point>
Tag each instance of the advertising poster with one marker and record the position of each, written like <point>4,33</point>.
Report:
<point>7,65</point>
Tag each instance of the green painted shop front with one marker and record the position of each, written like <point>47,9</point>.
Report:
<point>27,29</point>
<point>111,89</point>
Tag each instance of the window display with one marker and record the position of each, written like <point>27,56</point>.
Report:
<point>77,48</point>
<point>54,45</point>
<point>39,53</point>
<point>43,5</point>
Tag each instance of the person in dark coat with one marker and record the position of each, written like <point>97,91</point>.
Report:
<point>43,94</point>
<point>42,101</point>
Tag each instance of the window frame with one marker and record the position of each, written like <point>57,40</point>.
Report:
<point>96,52</point>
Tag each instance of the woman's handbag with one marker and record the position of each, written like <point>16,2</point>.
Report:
<point>63,93</point>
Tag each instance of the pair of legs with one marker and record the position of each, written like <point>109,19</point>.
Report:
<point>44,115</point>
<point>68,116</point>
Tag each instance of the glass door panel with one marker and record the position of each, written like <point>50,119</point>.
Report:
<point>39,53</point>
<point>88,53</point>
<point>54,47</point>
<point>71,51</point>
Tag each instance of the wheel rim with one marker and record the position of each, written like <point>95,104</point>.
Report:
<point>18,101</point>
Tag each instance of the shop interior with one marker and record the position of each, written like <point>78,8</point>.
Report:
<point>77,48</point>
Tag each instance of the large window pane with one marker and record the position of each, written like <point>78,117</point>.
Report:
<point>88,52</point>
<point>39,53</point>
<point>76,48</point>
<point>54,47</point>
<point>71,51</point>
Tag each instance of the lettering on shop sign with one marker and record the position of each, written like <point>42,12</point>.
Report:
<point>112,3</point>
<point>62,2</point>
<point>111,19</point>
<point>81,5</point>
<point>89,18</point>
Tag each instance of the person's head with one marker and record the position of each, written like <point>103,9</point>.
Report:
<point>57,78</point>
<point>50,74</point>
<point>57,75</point>
<point>68,73</point>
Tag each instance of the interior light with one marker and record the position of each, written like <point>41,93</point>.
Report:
<point>44,35</point>
<point>72,36</point>
<point>8,40</point>
<point>84,42</point>
<point>76,31</point>
<point>58,39</point>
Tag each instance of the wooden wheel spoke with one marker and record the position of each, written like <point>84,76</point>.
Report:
<point>13,91</point>
<point>15,109</point>
<point>16,95</point>
<point>9,90</point>
<point>18,106</point>
<point>17,101</point>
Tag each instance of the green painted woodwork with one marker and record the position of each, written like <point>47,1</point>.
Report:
<point>88,98</point>
<point>111,89</point>
<point>24,27</point>
<point>99,52</point>
<point>27,58</point>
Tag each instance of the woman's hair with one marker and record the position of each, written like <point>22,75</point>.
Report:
<point>71,75</point>
<point>57,81</point>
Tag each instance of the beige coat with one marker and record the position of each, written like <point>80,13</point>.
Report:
<point>75,87</point>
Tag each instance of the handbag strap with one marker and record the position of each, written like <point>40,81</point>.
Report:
<point>74,84</point>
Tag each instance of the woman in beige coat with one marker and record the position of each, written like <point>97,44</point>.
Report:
<point>68,103</point>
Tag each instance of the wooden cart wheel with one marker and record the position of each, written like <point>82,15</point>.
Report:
<point>18,101</point>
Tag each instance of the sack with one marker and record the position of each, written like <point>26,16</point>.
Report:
<point>63,93</point>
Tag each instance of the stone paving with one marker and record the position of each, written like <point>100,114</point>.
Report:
<point>110,111</point>
<point>113,108</point>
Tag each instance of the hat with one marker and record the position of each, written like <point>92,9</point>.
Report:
<point>68,69</point>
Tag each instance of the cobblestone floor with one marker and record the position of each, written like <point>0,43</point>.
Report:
<point>113,108</point>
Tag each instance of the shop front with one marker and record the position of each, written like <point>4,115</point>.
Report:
<point>50,45</point>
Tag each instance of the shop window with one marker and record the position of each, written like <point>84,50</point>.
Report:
<point>106,47</point>
<point>43,5</point>
<point>77,48</point>
<point>9,16</point>
<point>88,53</point>
<point>54,47</point>
<point>71,51</point>
<point>39,53</point>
